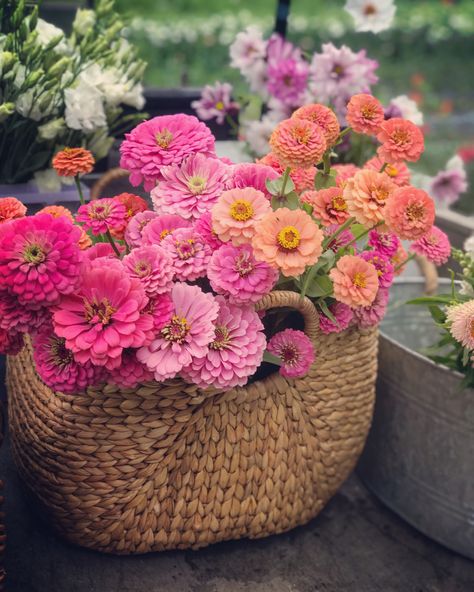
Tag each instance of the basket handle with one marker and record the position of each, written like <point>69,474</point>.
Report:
<point>429,272</point>
<point>107,178</point>
<point>282,298</point>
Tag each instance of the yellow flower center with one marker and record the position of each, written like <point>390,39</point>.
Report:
<point>301,134</point>
<point>164,233</point>
<point>221,338</point>
<point>359,280</point>
<point>415,212</point>
<point>241,210</point>
<point>289,238</point>
<point>220,106</point>
<point>142,268</point>
<point>379,194</point>
<point>196,185</point>
<point>164,138</point>
<point>368,112</point>
<point>34,254</point>
<point>391,170</point>
<point>98,312</point>
<point>339,204</point>
<point>400,137</point>
<point>176,330</point>
<point>185,249</point>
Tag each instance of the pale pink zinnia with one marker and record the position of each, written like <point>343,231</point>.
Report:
<point>160,307</point>
<point>186,336</point>
<point>135,227</point>
<point>131,372</point>
<point>104,316</point>
<point>397,171</point>
<point>295,351</point>
<point>159,228</point>
<point>189,253</point>
<point>355,281</point>
<point>152,266</point>
<point>329,205</point>
<point>382,264</point>
<point>434,245</point>
<point>461,320</point>
<point>385,243</point>
<point>102,215</point>
<point>203,227</point>
<point>190,188</point>
<point>249,174</point>
<point>235,352</point>
<point>40,258</point>
<point>410,213</point>
<point>162,141</point>
<point>369,316</point>
<point>235,273</point>
<point>343,315</point>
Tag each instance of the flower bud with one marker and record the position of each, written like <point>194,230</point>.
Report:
<point>84,21</point>
<point>50,130</point>
<point>6,109</point>
<point>34,78</point>
<point>59,67</point>
<point>7,61</point>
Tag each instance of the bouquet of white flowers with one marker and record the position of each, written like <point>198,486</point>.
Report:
<point>58,90</point>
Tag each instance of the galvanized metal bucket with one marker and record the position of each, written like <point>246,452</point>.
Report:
<point>419,456</point>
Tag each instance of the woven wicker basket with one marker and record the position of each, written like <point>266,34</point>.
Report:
<point>168,466</point>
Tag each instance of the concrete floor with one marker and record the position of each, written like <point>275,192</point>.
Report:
<point>355,545</point>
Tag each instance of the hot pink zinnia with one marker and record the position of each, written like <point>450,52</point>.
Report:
<point>234,272</point>
<point>11,343</point>
<point>190,188</point>
<point>355,281</point>
<point>249,174</point>
<point>410,213</point>
<point>235,352</point>
<point>369,316</point>
<point>189,253</point>
<point>343,315</point>
<point>204,228</point>
<point>385,243</point>
<point>40,258</point>
<point>101,250</point>
<point>160,307</point>
<point>162,141</point>
<point>343,238</point>
<point>401,140</point>
<point>134,230</point>
<point>21,318</point>
<point>131,372</point>
<point>159,228</point>
<point>152,266</point>
<point>100,215</point>
<point>57,367</point>
<point>186,336</point>
<point>434,245</point>
<point>104,316</point>
<point>295,351</point>
<point>383,266</point>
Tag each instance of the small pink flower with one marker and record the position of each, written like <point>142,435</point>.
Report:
<point>398,172</point>
<point>385,243</point>
<point>295,351</point>
<point>234,272</point>
<point>21,318</point>
<point>355,281</point>
<point>11,343</point>
<point>401,140</point>
<point>100,215</point>
<point>159,228</point>
<point>343,315</point>
<point>189,253</point>
<point>410,213</point>
<point>152,266</point>
<point>204,228</point>
<point>369,316</point>
<point>235,352</point>
<point>136,226</point>
<point>434,245</point>
<point>365,114</point>
<point>131,372</point>
<point>215,102</point>
<point>342,239</point>
<point>461,320</point>
<point>329,205</point>
<point>160,307</point>
<point>250,174</point>
<point>186,336</point>
<point>383,266</point>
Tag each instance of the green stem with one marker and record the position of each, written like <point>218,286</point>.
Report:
<point>329,239</point>
<point>383,167</point>
<point>286,176</point>
<point>327,163</point>
<point>79,189</point>
<point>403,263</point>
<point>362,234</point>
<point>233,124</point>
<point>344,133</point>
<point>112,242</point>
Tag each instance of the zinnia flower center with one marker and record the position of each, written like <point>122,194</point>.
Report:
<point>243,265</point>
<point>415,212</point>
<point>472,328</point>
<point>369,9</point>
<point>220,106</point>
<point>99,212</point>
<point>196,185</point>
<point>60,356</point>
<point>142,268</point>
<point>34,254</point>
<point>186,248</point>
<point>289,238</point>
<point>400,137</point>
<point>431,240</point>
<point>289,354</point>
<point>391,170</point>
<point>339,204</point>
<point>359,280</point>
<point>368,112</point>
<point>164,138</point>
<point>99,312</point>
<point>379,194</point>
<point>221,339</point>
<point>241,210</point>
<point>301,134</point>
<point>338,70</point>
<point>176,330</point>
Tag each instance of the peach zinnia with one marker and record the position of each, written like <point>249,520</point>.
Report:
<point>365,114</point>
<point>298,143</point>
<point>10,209</point>
<point>410,213</point>
<point>289,240</point>
<point>355,281</point>
<point>236,212</point>
<point>366,195</point>
<point>329,206</point>
<point>401,140</point>
<point>322,116</point>
<point>397,171</point>
<point>73,161</point>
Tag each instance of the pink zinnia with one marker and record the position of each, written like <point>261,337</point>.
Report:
<point>286,80</point>
<point>152,266</point>
<point>204,228</point>
<point>234,272</point>
<point>344,172</point>
<point>11,343</point>
<point>102,215</point>
<point>461,320</point>
<point>369,316</point>
<point>186,336</point>
<point>410,213</point>
<point>159,228</point>
<point>189,253</point>
<point>302,178</point>
<point>397,171</point>
<point>21,318</point>
<point>295,351</point>
<point>385,243</point>
<point>40,258</point>
<point>100,250</point>
<point>136,226</point>
<point>162,141</point>
<point>160,307</point>
<point>329,205</point>
<point>343,315</point>
<point>131,372</point>
<point>343,238</point>
<point>104,316</point>
<point>235,352</point>
<point>190,188</point>
<point>10,209</point>
<point>250,174</point>
<point>365,114</point>
<point>383,266</point>
<point>355,281</point>
<point>401,140</point>
<point>434,245</point>
<point>57,367</point>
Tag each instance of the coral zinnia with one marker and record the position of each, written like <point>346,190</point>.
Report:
<point>410,213</point>
<point>364,114</point>
<point>152,266</point>
<point>329,205</point>
<point>40,258</point>
<point>160,227</point>
<point>461,320</point>
<point>102,215</point>
<point>401,140</point>
<point>133,204</point>
<point>355,281</point>
<point>397,171</point>
<point>366,194</point>
<point>73,161</point>
<point>235,352</point>
<point>189,253</point>
<point>135,227</point>
<point>234,272</point>
<point>344,172</point>
<point>302,178</point>
<point>343,315</point>
<point>104,316</point>
<point>434,245</point>
<point>298,143</point>
<point>322,116</point>
<point>10,209</point>
<point>399,260</point>
<point>288,240</point>
<point>295,351</point>
<point>187,334</point>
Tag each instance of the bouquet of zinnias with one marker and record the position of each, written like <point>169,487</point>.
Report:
<point>124,295</point>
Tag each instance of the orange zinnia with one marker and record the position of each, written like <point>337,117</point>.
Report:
<point>73,161</point>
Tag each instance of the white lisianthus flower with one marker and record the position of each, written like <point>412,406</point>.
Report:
<point>47,32</point>
<point>100,144</point>
<point>408,108</point>
<point>371,15</point>
<point>248,48</point>
<point>50,130</point>
<point>456,163</point>
<point>29,106</point>
<point>47,181</point>
<point>84,107</point>
<point>134,97</point>
<point>84,21</point>
<point>116,89</point>
<point>469,245</point>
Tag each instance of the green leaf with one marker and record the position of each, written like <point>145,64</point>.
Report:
<point>319,287</point>
<point>466,356</point>
<point>322,181</point>
<point>308,208</point>
<point>290,201</point>
<point>357,228</point>
<point>324,307</point>
<point>437,314</point>
<point>271,359</point>
<point>440,299</point>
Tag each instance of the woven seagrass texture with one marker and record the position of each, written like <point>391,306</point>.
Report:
<point>167,466</point>
<point>3,536</point>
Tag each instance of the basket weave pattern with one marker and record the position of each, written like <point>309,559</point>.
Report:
<point>167,466</point>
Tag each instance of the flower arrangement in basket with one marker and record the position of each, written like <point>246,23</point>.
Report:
<point>157,322</point>
<point>59,90</point>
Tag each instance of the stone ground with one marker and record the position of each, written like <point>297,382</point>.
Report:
<point>354,545</point>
